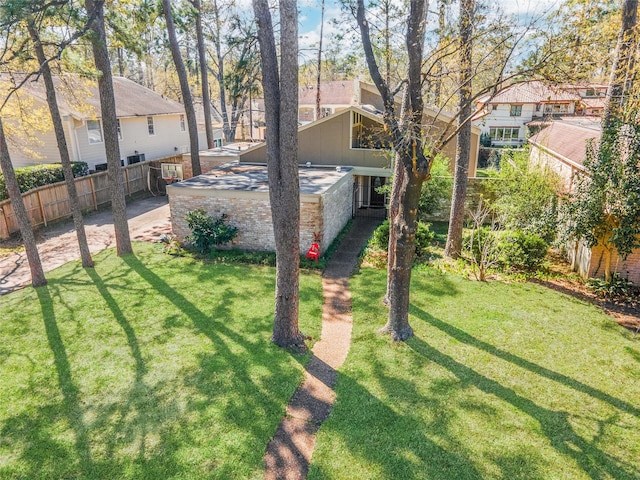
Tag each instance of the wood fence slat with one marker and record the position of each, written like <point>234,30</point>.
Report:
<point>51,202</point>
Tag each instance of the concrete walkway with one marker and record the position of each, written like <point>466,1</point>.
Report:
<point>148,220</point>
<point>289,451</point>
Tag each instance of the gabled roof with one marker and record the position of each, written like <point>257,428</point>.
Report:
<point>567,141</point>
<point>533,91</point>
<point>79,97</point>
<point>331,93</point>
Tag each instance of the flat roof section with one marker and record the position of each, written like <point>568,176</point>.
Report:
<point>253,178</point>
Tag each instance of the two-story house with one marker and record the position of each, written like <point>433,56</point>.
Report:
<point>504,115</point>
<point>150,126</point>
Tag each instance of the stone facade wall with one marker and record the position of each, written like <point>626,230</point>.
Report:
<point>337,205</point>
<point>251,214</point>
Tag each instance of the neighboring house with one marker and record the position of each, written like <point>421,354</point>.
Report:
<point>562,147</point>
<point>334,97</point>
<point>343,161</point>
<point>505,116</point>
<point>149,125</point>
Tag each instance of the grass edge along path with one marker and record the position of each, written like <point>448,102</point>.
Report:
<point>501,381</point>
<point>146,367</point>
<point>290,450</point>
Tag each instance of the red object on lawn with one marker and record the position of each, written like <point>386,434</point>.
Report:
<point>314,252</point>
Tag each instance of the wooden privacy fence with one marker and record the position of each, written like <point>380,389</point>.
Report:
<point>51,202</point>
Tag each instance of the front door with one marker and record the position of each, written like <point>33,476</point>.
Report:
<point>376,198</point>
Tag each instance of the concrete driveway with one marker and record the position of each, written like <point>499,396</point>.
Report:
<point>148,220</point>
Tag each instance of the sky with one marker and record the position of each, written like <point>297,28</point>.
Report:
<point>310,14</point>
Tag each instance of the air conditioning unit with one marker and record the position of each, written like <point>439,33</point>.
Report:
<point>137,158</point>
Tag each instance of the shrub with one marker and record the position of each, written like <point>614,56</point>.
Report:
<point>40,175</point>
<point>436,189</point>
<point>207,231</point>
<point>523,250</point>
<point>526,197</point>
<point>172,246</point>
<point>616,287</point>
<point>424,237</point>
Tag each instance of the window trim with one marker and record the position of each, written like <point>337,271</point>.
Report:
<point>98,123</point>
<point>503,138</point>
<point>515,110</point>
<point>151,126</point>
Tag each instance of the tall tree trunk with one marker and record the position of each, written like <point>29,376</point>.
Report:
<point>228,125</point>
<point>184,88</point>
<point>281,110</point>
<point>65,159</point>
<point>437,93</point>
<point>621,69</point>
<point>110,129</point>
<point>411,169</point>
<point>204,74</point>
<point>20,211</point>
<point>319,77</point>
<point>463,142</point>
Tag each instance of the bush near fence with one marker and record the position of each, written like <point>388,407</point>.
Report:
<point>40,175</point>
<point>50,203</point>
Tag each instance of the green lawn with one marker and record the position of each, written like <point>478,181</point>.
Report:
<point>146,367</point>
<point>502,381</point>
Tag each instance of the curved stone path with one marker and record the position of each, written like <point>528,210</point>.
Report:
<point>289,451</point>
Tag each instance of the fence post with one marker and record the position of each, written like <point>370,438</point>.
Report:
<point>126,180</point>
<point>93,193</point>
<point>42,211</point>
<point>6,222</point>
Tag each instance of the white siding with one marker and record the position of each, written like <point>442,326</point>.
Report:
<point>501,117</point>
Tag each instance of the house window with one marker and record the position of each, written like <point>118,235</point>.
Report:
<point>494,107</point>
<point>367,133</point>
<point>217,142</point>
<point>504,134</point>
<point>94,129</point>
<point>324,111</point>
<point>591,92</point>
<point>516,110</point>
<point>538,106</point>
<point>183,126</point>
<point>150,126</point>
<point>119,130</point>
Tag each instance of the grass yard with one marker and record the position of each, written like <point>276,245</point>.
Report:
<point>148,367</point>
<point>502,381</point>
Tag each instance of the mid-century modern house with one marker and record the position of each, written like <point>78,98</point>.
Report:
<point>149,125</point>
<point>342,161</point>
<point>562,147</point>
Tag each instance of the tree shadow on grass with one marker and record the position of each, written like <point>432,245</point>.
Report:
<point>468,339</point>
<point>67,386</point>
<point>555,425</point>
<point>260,393</point>
<point>392,443</point>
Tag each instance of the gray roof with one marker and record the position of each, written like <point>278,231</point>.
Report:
<point>253,178</point>
<point>79,97</point>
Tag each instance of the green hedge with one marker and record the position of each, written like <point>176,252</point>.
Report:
<point>39,175</point>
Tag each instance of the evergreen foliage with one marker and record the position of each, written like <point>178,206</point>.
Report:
<point>207,231</point>
<point>40,175</point>
<point>526,196</point>
<point>604,207</point>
